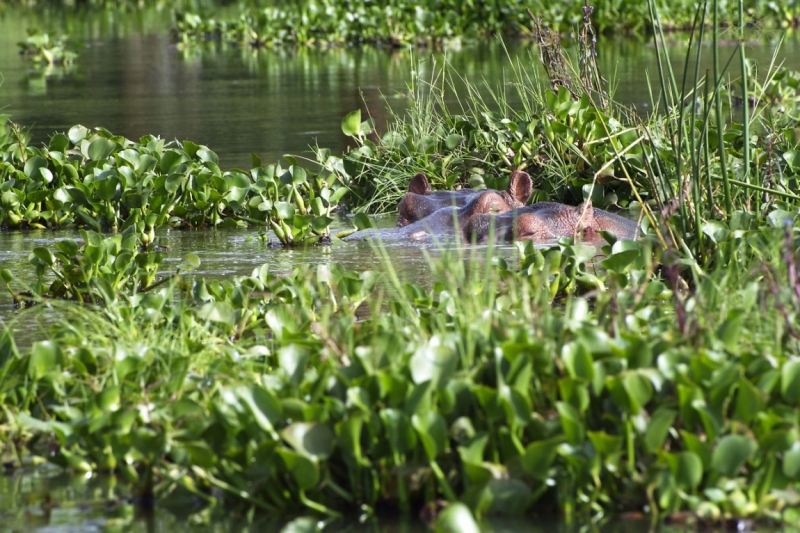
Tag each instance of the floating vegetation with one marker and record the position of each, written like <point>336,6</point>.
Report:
<point>47,50</point>
<point>431,22</point>
<point>94,179</point>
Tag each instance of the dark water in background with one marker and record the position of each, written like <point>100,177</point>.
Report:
<point>133,81</point>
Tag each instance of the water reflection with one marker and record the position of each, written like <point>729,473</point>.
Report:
<point>133,81</point>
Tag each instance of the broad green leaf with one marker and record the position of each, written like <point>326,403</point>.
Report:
<point>791,462</point>
<point>320,224</point>
<point>456,518</point>
<point>309,438</point>
<point>362,221</point>
<point>687,469</point>
<point>304,470</point>
<point>351,123</point>
<point>658,428</point>
<point>578,361</point>
<point>398,430</point>
<point>434,363</point>
<point>539,456</point>
<point>432,431</point>
<point>604,443</point>
<point>749,401</point>
<point>571,423</point>
<point>731,453</point>
<point>790,381</point>
<point>304,524</point>
<point>100,148</point>
<point>108,400</point>
<point>618,262</point>
<point>453,140</point>
<point>220,312</point>
<point>284,210</point>
<point>264,406</point>
<point>45,357</point>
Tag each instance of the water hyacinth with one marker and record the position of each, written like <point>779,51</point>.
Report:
<point>104,182</point>
<point>631,392</point>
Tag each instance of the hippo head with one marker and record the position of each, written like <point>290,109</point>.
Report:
<point>552,221</point>
<point>421,201</point>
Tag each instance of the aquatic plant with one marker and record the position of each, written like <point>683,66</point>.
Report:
<point>426,22</point>
<point>44,49</point>
<point>101,181</point>
<point>268,391</point>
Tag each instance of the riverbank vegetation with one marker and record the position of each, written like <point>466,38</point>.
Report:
<point>435,22</point>
<point>656,376</point>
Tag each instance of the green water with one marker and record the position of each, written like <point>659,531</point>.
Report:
<point>133,81</point>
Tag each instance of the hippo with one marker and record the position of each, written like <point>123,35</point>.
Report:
<point>546,221</point>
<point>444,223</point>
<point>421,201</point>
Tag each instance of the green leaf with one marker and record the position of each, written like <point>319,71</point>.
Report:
<point>320,224</point>
<point>730,330</point>
<point>43,255</point>
<point>731,454</point>
<point>33,166</point>
<point>749,401</point>
<point>77,134</point>
<point>100,148</point>
<point>432,431</point>
<point>362,221</point>
<point>571,423</point>
<point>578,361</point>
<point>790,381</point>
<point>45,357</point>
<point>453,140</point>
<point>687,469</point>
<point>539,456</point>
<point>304,524</point>
<point>220,312</point>
<point>108,400</point>
<point>398,430</point>
<point>604,443</point>
<point>434,363</point>
<point>658,428</point>
<point>298,175</point>
<point>618,262</point>
<point>304,471</point>
<point>292,359</point>
<point>456,518</point>
<point>351,123</point>
<point>310,438</point>
<point>791,462</point>
<point>264,406</point>
<point>284,210</point>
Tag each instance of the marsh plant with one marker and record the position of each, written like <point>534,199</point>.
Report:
<point>46,50</point>
<point>651,384</point>
<point>434,22</point>
<point>105,182</point>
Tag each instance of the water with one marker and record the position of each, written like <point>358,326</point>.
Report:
<point>133,81</point>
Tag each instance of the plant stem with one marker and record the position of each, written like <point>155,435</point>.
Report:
<point>726,186</point>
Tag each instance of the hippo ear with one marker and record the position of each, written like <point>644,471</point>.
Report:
<point>585,213</point>
<point>520,187</point>
<point>420,185</point>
